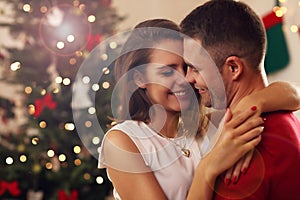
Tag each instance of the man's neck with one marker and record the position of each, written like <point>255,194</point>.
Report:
<point>247,87</point>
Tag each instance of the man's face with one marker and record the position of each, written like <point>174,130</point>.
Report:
<point>194,77</point>
<point>204,74</point>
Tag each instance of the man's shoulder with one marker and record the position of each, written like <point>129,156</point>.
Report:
<point>281,120</point>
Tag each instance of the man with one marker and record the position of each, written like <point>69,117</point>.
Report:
<point>234,37</point>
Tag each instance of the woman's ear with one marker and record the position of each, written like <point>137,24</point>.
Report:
<point>235,66</point>
<point>139,79</point>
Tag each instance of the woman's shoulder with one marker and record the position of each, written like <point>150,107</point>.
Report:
<point>125,134</point>
<point>127,124</point>
<point>120,139</point>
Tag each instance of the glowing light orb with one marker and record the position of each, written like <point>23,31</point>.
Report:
<point>15,66</point>
<point>64,30</point>
<point>9,160</point>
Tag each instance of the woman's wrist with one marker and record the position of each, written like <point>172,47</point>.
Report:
<point>251,101</point>
<point>208,171</point>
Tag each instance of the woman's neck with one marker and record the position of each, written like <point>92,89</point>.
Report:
<point>164,122</point>
<point>170,128</point>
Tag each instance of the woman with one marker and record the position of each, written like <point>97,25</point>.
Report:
<point>154,152</point>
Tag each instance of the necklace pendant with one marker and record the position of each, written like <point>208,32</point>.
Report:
<point>186,152</point>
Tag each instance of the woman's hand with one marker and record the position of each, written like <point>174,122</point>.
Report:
<point>232,175</point>
<point>277,96</point>
<point>239,135</point>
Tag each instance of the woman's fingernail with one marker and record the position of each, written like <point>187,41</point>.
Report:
<point>234,179</point>
<point>244,170</point>
<point>227,181</point>
<point>253,108</point>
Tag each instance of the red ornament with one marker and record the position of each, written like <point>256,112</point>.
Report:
<point>40,104</point>
<point>62,195</point>
<point>93,40</point>
<point>11,187</point>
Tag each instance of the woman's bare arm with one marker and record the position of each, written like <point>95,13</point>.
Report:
<point>277,96</point>
<point>128,173</point>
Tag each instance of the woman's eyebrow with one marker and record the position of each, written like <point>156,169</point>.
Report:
<point>172,65</point>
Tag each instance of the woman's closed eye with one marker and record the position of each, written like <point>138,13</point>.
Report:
<point>167,72</point>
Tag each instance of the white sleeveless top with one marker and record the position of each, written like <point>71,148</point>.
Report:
<point>172,169</point>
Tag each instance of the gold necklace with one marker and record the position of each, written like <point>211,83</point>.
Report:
<point>185,151</point>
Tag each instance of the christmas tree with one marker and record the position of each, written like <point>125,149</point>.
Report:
<point>43,157</point>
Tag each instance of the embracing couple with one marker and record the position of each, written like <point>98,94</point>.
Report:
<point>196,119</point>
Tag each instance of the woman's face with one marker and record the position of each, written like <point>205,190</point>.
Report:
<point>165,74</point>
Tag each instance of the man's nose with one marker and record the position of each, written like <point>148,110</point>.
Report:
<point>189,76</point>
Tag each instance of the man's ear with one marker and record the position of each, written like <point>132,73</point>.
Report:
<point>139,79</point>
<point>235,66</point>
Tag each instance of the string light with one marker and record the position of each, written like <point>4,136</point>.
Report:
<point>26,7</point>
<point>60,44</point>
<point>105,70</point>
<point>105,85</point>
<point>79,53</point>
<point>48,165</point>
<point>28,90</point>
<point>88,124</point>
<point>23,158</point>
<point>15,66</point>
<point>43,124</point>
<point>43,9</point>
<point>96,140</point>
<point>55,90</point>
<point>66,81</point>
<point>86,80</point>
<point>9,160</point>
<point>43,92</point>
<point>62,157</point>
<point>113,45</point>
<point>31,109</point>
<point>82,7</point>
<point>77,149</point>
<point>294,28</point>
<point>99,180</point>
<point>104,57</point>
<point>77,162</point>
<point>91,18</point>
<point>72,61</point>
<point>50,153</point>
<point>95,87</point>
<point>86,176</point>
<point>69,126</point>
<point>92,110</point>
<point>58,79</point>
<point>278,11</point>
<point>34,140</point>
<point>70,38</point>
